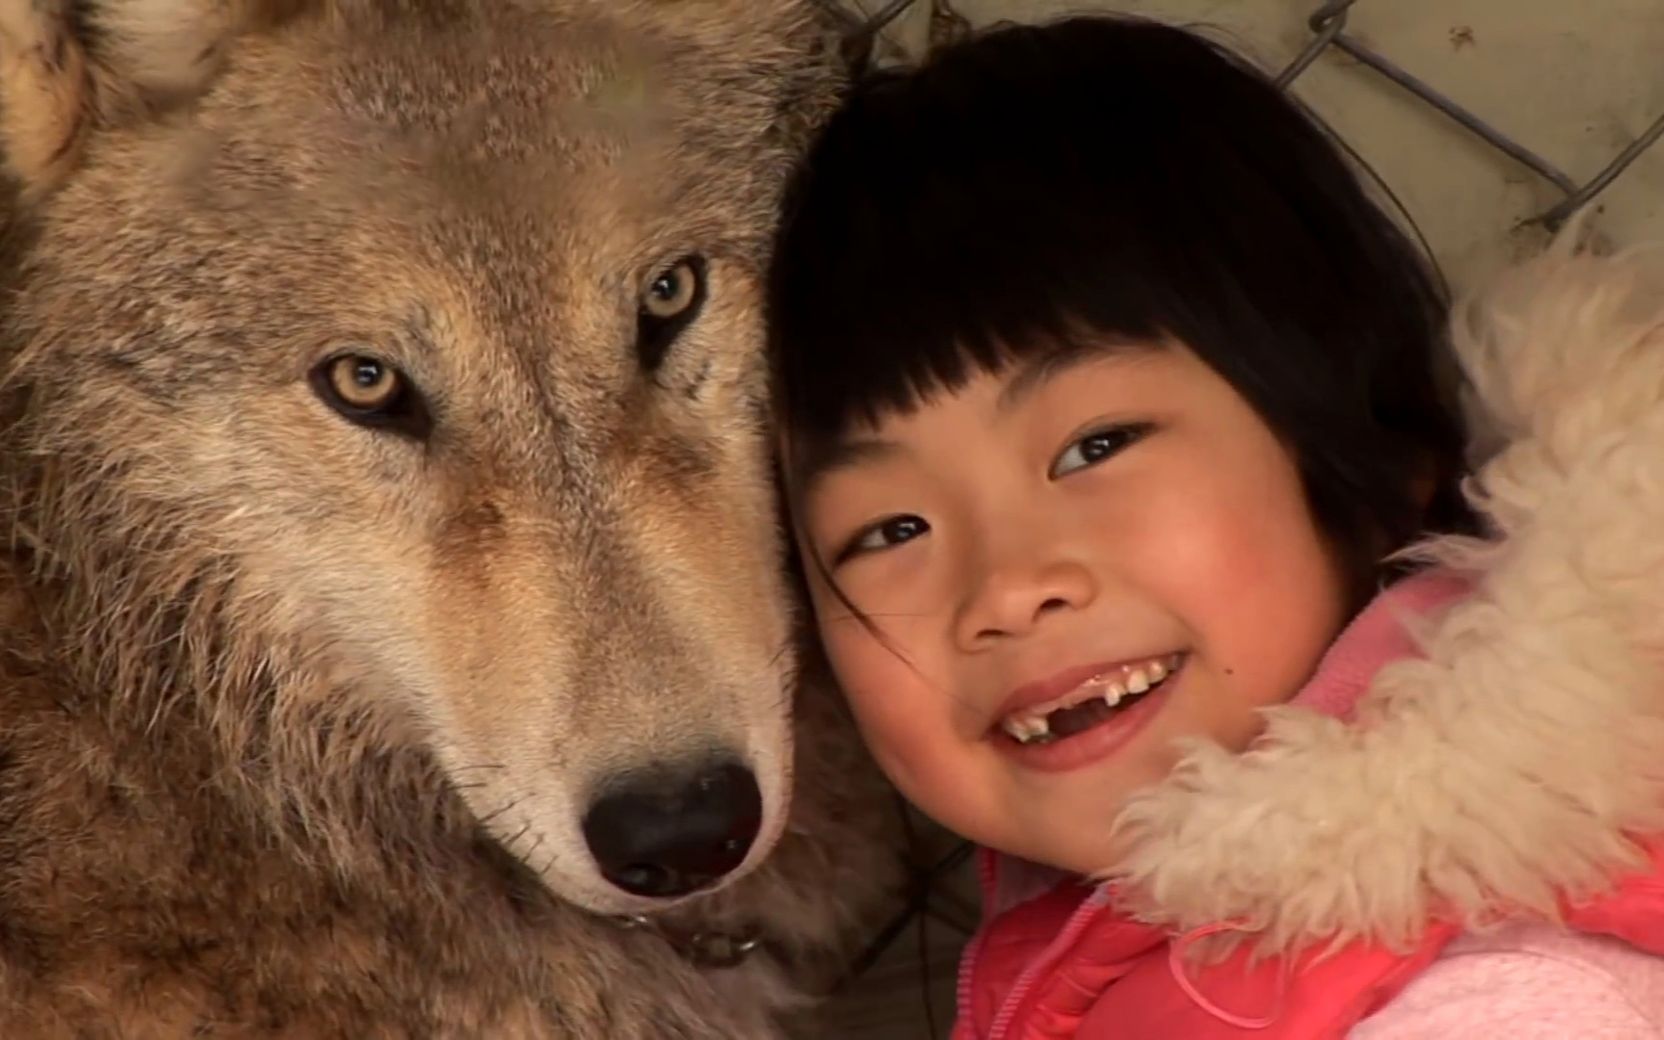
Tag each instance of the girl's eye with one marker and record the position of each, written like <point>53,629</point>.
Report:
<point>1096,447</point>
<point>886,534</point>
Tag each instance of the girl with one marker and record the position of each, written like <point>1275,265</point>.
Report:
<point>1110,405</point>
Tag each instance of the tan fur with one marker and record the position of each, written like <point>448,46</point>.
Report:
<point>44,77</point>
<point>1519,757</point>
<point>300,718</point>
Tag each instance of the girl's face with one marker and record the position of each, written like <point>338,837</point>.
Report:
<point>1068,568</point>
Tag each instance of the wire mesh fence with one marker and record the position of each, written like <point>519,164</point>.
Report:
<point>1328,26</point>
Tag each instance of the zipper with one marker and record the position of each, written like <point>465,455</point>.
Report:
<point>1054,951</point>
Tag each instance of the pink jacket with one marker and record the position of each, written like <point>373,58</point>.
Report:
<point>1057,959</point>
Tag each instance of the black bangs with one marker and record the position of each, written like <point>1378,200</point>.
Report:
<point>1107,178</point>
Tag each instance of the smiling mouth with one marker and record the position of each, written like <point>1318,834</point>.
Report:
<point>1093,702</point>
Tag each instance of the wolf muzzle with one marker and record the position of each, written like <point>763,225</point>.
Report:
<point>669,831</point>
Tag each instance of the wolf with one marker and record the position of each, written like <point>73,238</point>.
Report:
<point>393,607</point>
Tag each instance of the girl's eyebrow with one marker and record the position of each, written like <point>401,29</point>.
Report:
<point>1029,375</point>
<point>847,454</point>
<point>1037,371</point>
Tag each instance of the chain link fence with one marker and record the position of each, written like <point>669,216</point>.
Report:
<point>1328,25</point>
<point>866,42</point>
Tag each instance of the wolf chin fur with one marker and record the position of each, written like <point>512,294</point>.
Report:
<point>300,716</point>
<point>1521,758</point>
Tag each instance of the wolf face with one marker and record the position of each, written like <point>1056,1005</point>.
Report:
<point>389,375</point>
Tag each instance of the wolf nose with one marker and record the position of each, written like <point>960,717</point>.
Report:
<point>661,834</point>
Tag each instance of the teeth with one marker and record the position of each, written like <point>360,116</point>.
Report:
<point>1034,728</point>
<point>1027,729</point>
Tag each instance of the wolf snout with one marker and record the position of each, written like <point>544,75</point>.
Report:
<point>667,832</point>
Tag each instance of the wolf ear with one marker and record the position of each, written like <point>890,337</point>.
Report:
<point>68,67</point>
<point>43,90</point>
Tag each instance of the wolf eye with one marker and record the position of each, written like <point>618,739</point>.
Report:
<point>1096,447</point>
<point>669,301</point>
<point>371,392</point>
<point>672,292</point>
<point>364,383</point>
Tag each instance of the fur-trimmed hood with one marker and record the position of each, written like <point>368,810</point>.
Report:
<point>1518,758</point>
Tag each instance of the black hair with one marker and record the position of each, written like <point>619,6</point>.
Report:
<point>1111,177</point>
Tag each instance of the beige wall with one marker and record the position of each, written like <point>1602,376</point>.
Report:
<point>1573,80</point>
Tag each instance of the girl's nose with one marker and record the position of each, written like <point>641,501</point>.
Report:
<point>1013,600</point>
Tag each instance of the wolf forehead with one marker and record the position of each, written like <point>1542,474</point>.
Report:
<point>549,124</point>
<point>543,89</point>
<point>529,166</point>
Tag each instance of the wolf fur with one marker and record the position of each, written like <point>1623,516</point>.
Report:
<point>1521,760</point>
<point>300,717</point>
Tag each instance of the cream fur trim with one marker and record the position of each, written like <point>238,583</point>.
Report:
<point>1510,763</point>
